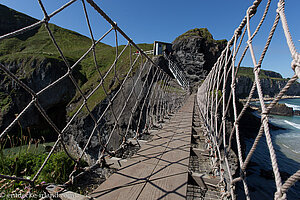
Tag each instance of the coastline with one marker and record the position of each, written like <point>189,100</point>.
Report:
<point>285,142</point>
<point>270,98</point>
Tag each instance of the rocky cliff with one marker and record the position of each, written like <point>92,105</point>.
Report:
<point>79,131</point>
<point>196,52</point>
<point>37,73</point>
<point>35,61</point>
<point>271,82</point>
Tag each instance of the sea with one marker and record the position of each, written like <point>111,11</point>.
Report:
<point>287,147</point>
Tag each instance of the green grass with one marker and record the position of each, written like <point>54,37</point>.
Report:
<point>248,72</point>
<point>39,47</point>
<point>32,148</point>
<point>5,101</point>
<point>202,32</point>
<point>24,161</point>
<point>26,164</point>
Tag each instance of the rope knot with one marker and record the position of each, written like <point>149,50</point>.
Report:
<point>257,68</point>
<point>296,61</point>
<point>264,116</point>
<point>34,97</point>
<point>233,85</point>
<point>243,174</point>
<point>114,26</point>
<point>46,19</point>
<point>85,102</point>
<point>280,6</point>
<point>237,32</point>
<point>279,195</point>
<point>252,10</point>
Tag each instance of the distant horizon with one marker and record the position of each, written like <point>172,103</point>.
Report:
<point>150,24</point>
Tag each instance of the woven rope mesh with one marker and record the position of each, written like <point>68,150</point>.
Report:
<point>217,96</point>
<point>123,98</point>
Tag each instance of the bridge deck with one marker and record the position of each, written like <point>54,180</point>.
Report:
<point>159,170</point>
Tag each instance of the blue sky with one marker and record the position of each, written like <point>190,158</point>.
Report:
<point>164,20</point>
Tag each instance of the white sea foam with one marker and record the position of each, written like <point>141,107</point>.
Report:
<point>295,107</point>
<point>292,124</point>
<point>297,152</point>
<point>286,146</point>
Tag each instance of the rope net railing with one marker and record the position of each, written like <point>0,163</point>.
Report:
<point>134,86</point>
<point>217,99</point>
<point>177,73</point>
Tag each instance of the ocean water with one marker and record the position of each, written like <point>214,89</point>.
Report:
<point>287,147</point>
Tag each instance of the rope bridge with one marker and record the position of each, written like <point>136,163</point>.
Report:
<point>153,91</point>
<point>216,98</point>
<point>156,95</point>
<point>177,72</point>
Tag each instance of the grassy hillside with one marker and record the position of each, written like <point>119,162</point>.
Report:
<point>11,20</point>
<point>38,46</point>
<point>264,74</point>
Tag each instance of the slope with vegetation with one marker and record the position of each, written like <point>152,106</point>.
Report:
<point>35,60</point>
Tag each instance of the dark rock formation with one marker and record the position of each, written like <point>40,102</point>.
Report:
<point>272,74</point>
<point>196,52</point>
<point>297,112</point>
<point>282,109</point>
<point>163,63</point>
<point>36,73</point>
<point>78,133</point>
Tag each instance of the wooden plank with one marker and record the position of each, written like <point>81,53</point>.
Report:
<point>159,169</point>
<point>166,183</point>
<point>169,179</point>
<point>126,183</point>
<point>136,142</point>
<point>206,181</point>
<point>178,152</point>
<point>175,159</point>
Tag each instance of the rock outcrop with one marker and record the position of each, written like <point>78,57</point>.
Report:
<point>271,83</point>
<point>79,131</point>
<point>282,109</point>
<point>38,65</point>
<point>196,52</point>
<point>36,73</point>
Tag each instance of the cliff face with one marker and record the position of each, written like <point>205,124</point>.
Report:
<point>79,131</point>
<point>37,73</point>
<point>271,82</point>
<point>35,61</point>
<point>196,52</point>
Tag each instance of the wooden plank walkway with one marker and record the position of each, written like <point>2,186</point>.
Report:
<point>159,170</point>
